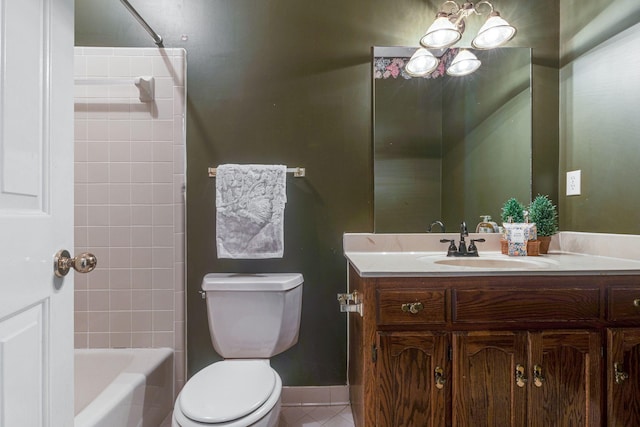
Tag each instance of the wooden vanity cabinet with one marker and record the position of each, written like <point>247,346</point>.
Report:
<point>495,351</point>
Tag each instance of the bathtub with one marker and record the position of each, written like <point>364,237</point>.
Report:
<point>123,387</point>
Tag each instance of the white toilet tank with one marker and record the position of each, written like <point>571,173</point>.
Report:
<point>253,316</point>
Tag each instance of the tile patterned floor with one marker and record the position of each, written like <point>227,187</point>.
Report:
<point>316,416</point>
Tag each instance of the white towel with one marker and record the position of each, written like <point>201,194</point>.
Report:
<point>250,203</point>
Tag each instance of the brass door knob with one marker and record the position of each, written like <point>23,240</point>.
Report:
<point>83,263</point>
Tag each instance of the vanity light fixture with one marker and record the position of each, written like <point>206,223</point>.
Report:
<point>422,62</point>
<point>447,30</point>
<point>449,25</point>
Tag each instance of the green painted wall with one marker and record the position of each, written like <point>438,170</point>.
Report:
<point>599,126</point>
<point>288,81</point>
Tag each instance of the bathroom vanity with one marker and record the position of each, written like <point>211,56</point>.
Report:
<point>536,341</point>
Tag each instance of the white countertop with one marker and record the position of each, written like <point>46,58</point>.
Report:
<point>379,255</point>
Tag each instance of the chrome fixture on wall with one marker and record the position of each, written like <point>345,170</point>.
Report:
<point>447,30</point>
<point>157,38</point>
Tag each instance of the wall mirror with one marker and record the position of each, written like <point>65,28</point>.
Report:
<point>449,148</point>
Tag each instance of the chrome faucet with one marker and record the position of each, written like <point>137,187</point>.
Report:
<point>440,223</point>
<point>462,250</point>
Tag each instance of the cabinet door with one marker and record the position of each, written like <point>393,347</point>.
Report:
<point>565,385</point>
<point>413,379</point>
<point>489,386</point>
<point>623,377</point>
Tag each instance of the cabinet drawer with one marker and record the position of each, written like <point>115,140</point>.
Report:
<point>624,303</point>
<point>402,307</point>
<point>525,305</point>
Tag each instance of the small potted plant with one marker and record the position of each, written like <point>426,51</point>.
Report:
<point>512,211</point>
<point>543,212</point>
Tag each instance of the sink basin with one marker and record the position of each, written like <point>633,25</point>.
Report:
<point>492,263</point>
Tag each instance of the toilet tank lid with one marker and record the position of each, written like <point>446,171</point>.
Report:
<point>251,282</point>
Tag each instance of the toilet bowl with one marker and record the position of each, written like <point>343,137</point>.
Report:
<point>251,318</point>
<point>234,393</point>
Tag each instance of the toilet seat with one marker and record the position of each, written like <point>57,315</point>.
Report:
<point>229,393</point>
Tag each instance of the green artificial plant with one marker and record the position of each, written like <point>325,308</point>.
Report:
<point>543,212</point>
<point>512,211</point>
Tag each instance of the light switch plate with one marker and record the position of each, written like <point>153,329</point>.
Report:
<point>573,183</point>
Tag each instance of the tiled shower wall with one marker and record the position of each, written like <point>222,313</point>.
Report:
<point>129,201</point>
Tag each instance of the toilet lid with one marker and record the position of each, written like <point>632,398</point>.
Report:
<point>227,390</point>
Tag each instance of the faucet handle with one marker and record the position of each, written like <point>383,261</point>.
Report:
<point>452,246</point>
<point>472,246</point>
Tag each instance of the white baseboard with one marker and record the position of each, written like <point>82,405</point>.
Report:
<point>315,396</point>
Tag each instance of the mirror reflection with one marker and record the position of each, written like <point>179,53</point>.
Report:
<point>449,148</point>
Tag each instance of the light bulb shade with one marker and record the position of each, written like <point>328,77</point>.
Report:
<point>422,62</point>
<point>464,63</point>
<point>495,32</point>
<point>441,34</point>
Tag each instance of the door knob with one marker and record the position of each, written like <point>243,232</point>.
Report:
<point>83,263</point>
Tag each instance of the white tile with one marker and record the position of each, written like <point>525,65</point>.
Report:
<point>163,172</point>
<point>164,88</point>
<point>97,194</point>
<point>98,173</point>
<point>119,172</point>
<point>162,193</point>
<point>141,66</point>
<point>97,130</point>
<point>97,66</point>
<point>163,215</point>
<point>119,130</point>
<point>163,130</point>
<point>120,257</point>
<point>162,151</point>
<point>119,151</point>
<point>162,66</point>
<point>141,257</point>
<point>141,130</point>
<point>141,194</point>
<point>142,173</point>
<point>119,66</point>
<point>164,109</point>
<point>142,151</point>
<point>119,193</point>
<point>97,237</point>
<point>142,236</point>
<point>98,151</point>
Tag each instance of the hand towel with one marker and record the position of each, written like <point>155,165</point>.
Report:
<point>250,203</point>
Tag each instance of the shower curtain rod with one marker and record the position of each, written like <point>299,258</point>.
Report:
<point>156,37</point>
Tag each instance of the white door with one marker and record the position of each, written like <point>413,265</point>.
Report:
<point>36,212</point>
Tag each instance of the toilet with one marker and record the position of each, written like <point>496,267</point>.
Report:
<point>252,317</point>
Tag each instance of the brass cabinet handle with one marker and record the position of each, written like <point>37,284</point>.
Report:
<point>619,373</point>
<point>412,307</point>
<point>636,302</point>
<point>538,378</point>
<point>439,377</point>
<point>521,380</point>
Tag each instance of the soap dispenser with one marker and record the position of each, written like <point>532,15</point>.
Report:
<point>486,225</point>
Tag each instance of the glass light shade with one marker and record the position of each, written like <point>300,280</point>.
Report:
<point>422,62</point>
<point>464,63</point>
<point>495,32</point>
<point>441,34</point>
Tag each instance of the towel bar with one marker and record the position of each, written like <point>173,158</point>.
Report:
<point>297,172</point>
